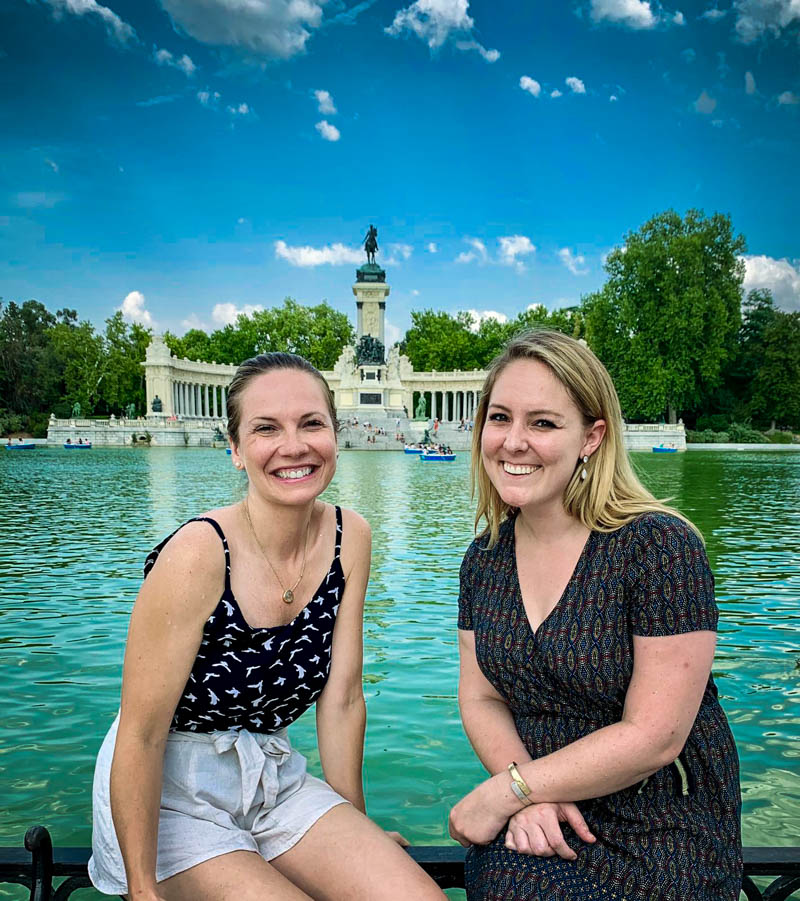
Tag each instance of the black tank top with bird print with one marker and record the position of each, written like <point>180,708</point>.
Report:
<point>258,679</point>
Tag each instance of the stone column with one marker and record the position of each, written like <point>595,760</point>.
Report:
<point>207,408</point>
<point>214,401</point>
<point>224,403</point>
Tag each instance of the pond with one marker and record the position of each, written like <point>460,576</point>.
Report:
<point>76,527</point>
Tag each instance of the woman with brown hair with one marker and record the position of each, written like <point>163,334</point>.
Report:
<point>587,631</point>
<point>249,614</point>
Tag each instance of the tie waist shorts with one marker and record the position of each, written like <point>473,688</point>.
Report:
<point>221,792</point>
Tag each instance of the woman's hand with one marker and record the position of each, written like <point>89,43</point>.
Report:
<point>478,817</point>
<point>536,830</point>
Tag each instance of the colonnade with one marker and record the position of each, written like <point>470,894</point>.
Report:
<point>199,399</point>
<point>450,406</point>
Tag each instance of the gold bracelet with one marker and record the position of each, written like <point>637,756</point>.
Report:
<point>518,785</point>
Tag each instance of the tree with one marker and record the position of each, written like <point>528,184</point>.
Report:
<point>125,346</point>
<point>30,374</point>
<point>441,341</point>
<point>83,361</point>
<point>776,389</point>
<point>666,321</point>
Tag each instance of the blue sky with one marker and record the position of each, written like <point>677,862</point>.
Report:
<point>184,160</point>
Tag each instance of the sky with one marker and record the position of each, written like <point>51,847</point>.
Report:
<point>187,160</point>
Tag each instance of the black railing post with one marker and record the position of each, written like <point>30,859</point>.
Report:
<point>38,842</point>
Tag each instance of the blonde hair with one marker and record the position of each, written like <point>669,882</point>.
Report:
<point>612,494</point>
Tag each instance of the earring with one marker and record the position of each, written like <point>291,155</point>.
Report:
<point>583,471</point>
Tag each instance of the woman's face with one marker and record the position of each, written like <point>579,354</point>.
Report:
<point>534,436</point>
<point>287,441</point>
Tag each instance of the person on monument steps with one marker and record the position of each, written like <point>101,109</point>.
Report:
<point>248,615</point>
<point>587,631</point>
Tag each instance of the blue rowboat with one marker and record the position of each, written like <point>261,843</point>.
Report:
<point>437,458</point>
<point>87,445</point>
<point>227,450</point>
<point>665,450</point>
<point>21,446</point>
<point>412,450</point>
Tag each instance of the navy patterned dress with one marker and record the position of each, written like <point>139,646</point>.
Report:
<point>675,836</point>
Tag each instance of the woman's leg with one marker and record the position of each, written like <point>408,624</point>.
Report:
<point>238,876</point>
<point>344,855</point>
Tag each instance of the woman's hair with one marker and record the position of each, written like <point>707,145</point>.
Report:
<point>611,495</point>
<point>260,364</point>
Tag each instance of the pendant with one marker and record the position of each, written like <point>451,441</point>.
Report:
<point>288,596</point>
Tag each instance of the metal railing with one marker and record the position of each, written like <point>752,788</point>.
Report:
<point>37,865</point>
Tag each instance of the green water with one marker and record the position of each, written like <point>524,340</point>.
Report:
<point>75,529</point>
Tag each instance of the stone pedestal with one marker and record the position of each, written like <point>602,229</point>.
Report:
<point>371,308</point>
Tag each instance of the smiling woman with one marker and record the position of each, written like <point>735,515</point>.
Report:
<point>587,631</point>
<point>198,793</point>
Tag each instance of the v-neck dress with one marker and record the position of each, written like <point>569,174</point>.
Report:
<point>675,836</point>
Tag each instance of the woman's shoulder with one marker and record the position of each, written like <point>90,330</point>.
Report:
<point>354,524</point>
<point>657,531</point>
<point>194,549</point>
<point>479,549</point>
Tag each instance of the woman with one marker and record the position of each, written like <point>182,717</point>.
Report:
<point>248,615</point>
<point>587,632</point>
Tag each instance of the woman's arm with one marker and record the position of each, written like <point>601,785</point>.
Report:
<point>485,713</point>
<point>165,632</point>
<point>341,711</point>
<point>670,674</point>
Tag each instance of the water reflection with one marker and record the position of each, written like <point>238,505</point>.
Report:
<point>76,528</point>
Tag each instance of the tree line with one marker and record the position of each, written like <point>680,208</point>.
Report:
<point>670,323</point>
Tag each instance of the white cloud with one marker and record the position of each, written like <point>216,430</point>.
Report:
<point>705,104</point>
<point>432,21</point>
<point>326,105</point>
<point>762,18</point>
<point>633,13</point>
<point>531,85</point>
<point>241,221</point>
<point>133,309</point>
<point>432,247</point>
<point>575,85</point>
<point>491,56</point>
<point>334,255</point>
<point>678,18</point>
<point>184,63</point>
<point>115,26</point>
<point>194,321</point>
<point>478,316</point>
<point>787,98</point>
<point>513,247</point>
<point>749,83</point>
<point>714,14</point>
<point>329,132</point>
<point>273,28</point>
<point>228,313</point>
<point>573,263</point>
<point>414,292</point>
<point>37,200</point>
<point>53,165</point>
<point>477,254</point>
<point>613,98</point>
<point>398,252</point>
<point>208,98</point>
<point>556,93</point>
<point>392,332</point>
<point>241,110</point>
<point>781,277</point>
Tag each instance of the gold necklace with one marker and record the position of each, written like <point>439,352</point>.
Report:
<point>288,593</point>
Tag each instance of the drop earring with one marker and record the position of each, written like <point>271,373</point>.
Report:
<point>583,471</point>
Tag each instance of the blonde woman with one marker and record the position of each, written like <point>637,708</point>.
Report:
<point>587,632</point>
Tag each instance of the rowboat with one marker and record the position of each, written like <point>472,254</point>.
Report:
<point>412,450</point>
<point>21,446</point>
<point>437,458</point>
<point>660,449</point>
<point>86,445</point>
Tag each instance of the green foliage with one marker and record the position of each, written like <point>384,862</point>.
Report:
<point>736,433</point>
<point>666,321</point>
<point>776,387</point>
<point>317,333</point>
<point>442,341</point>
<point>780,437</point>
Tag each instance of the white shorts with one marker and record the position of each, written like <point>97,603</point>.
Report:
<point>222,792</point>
